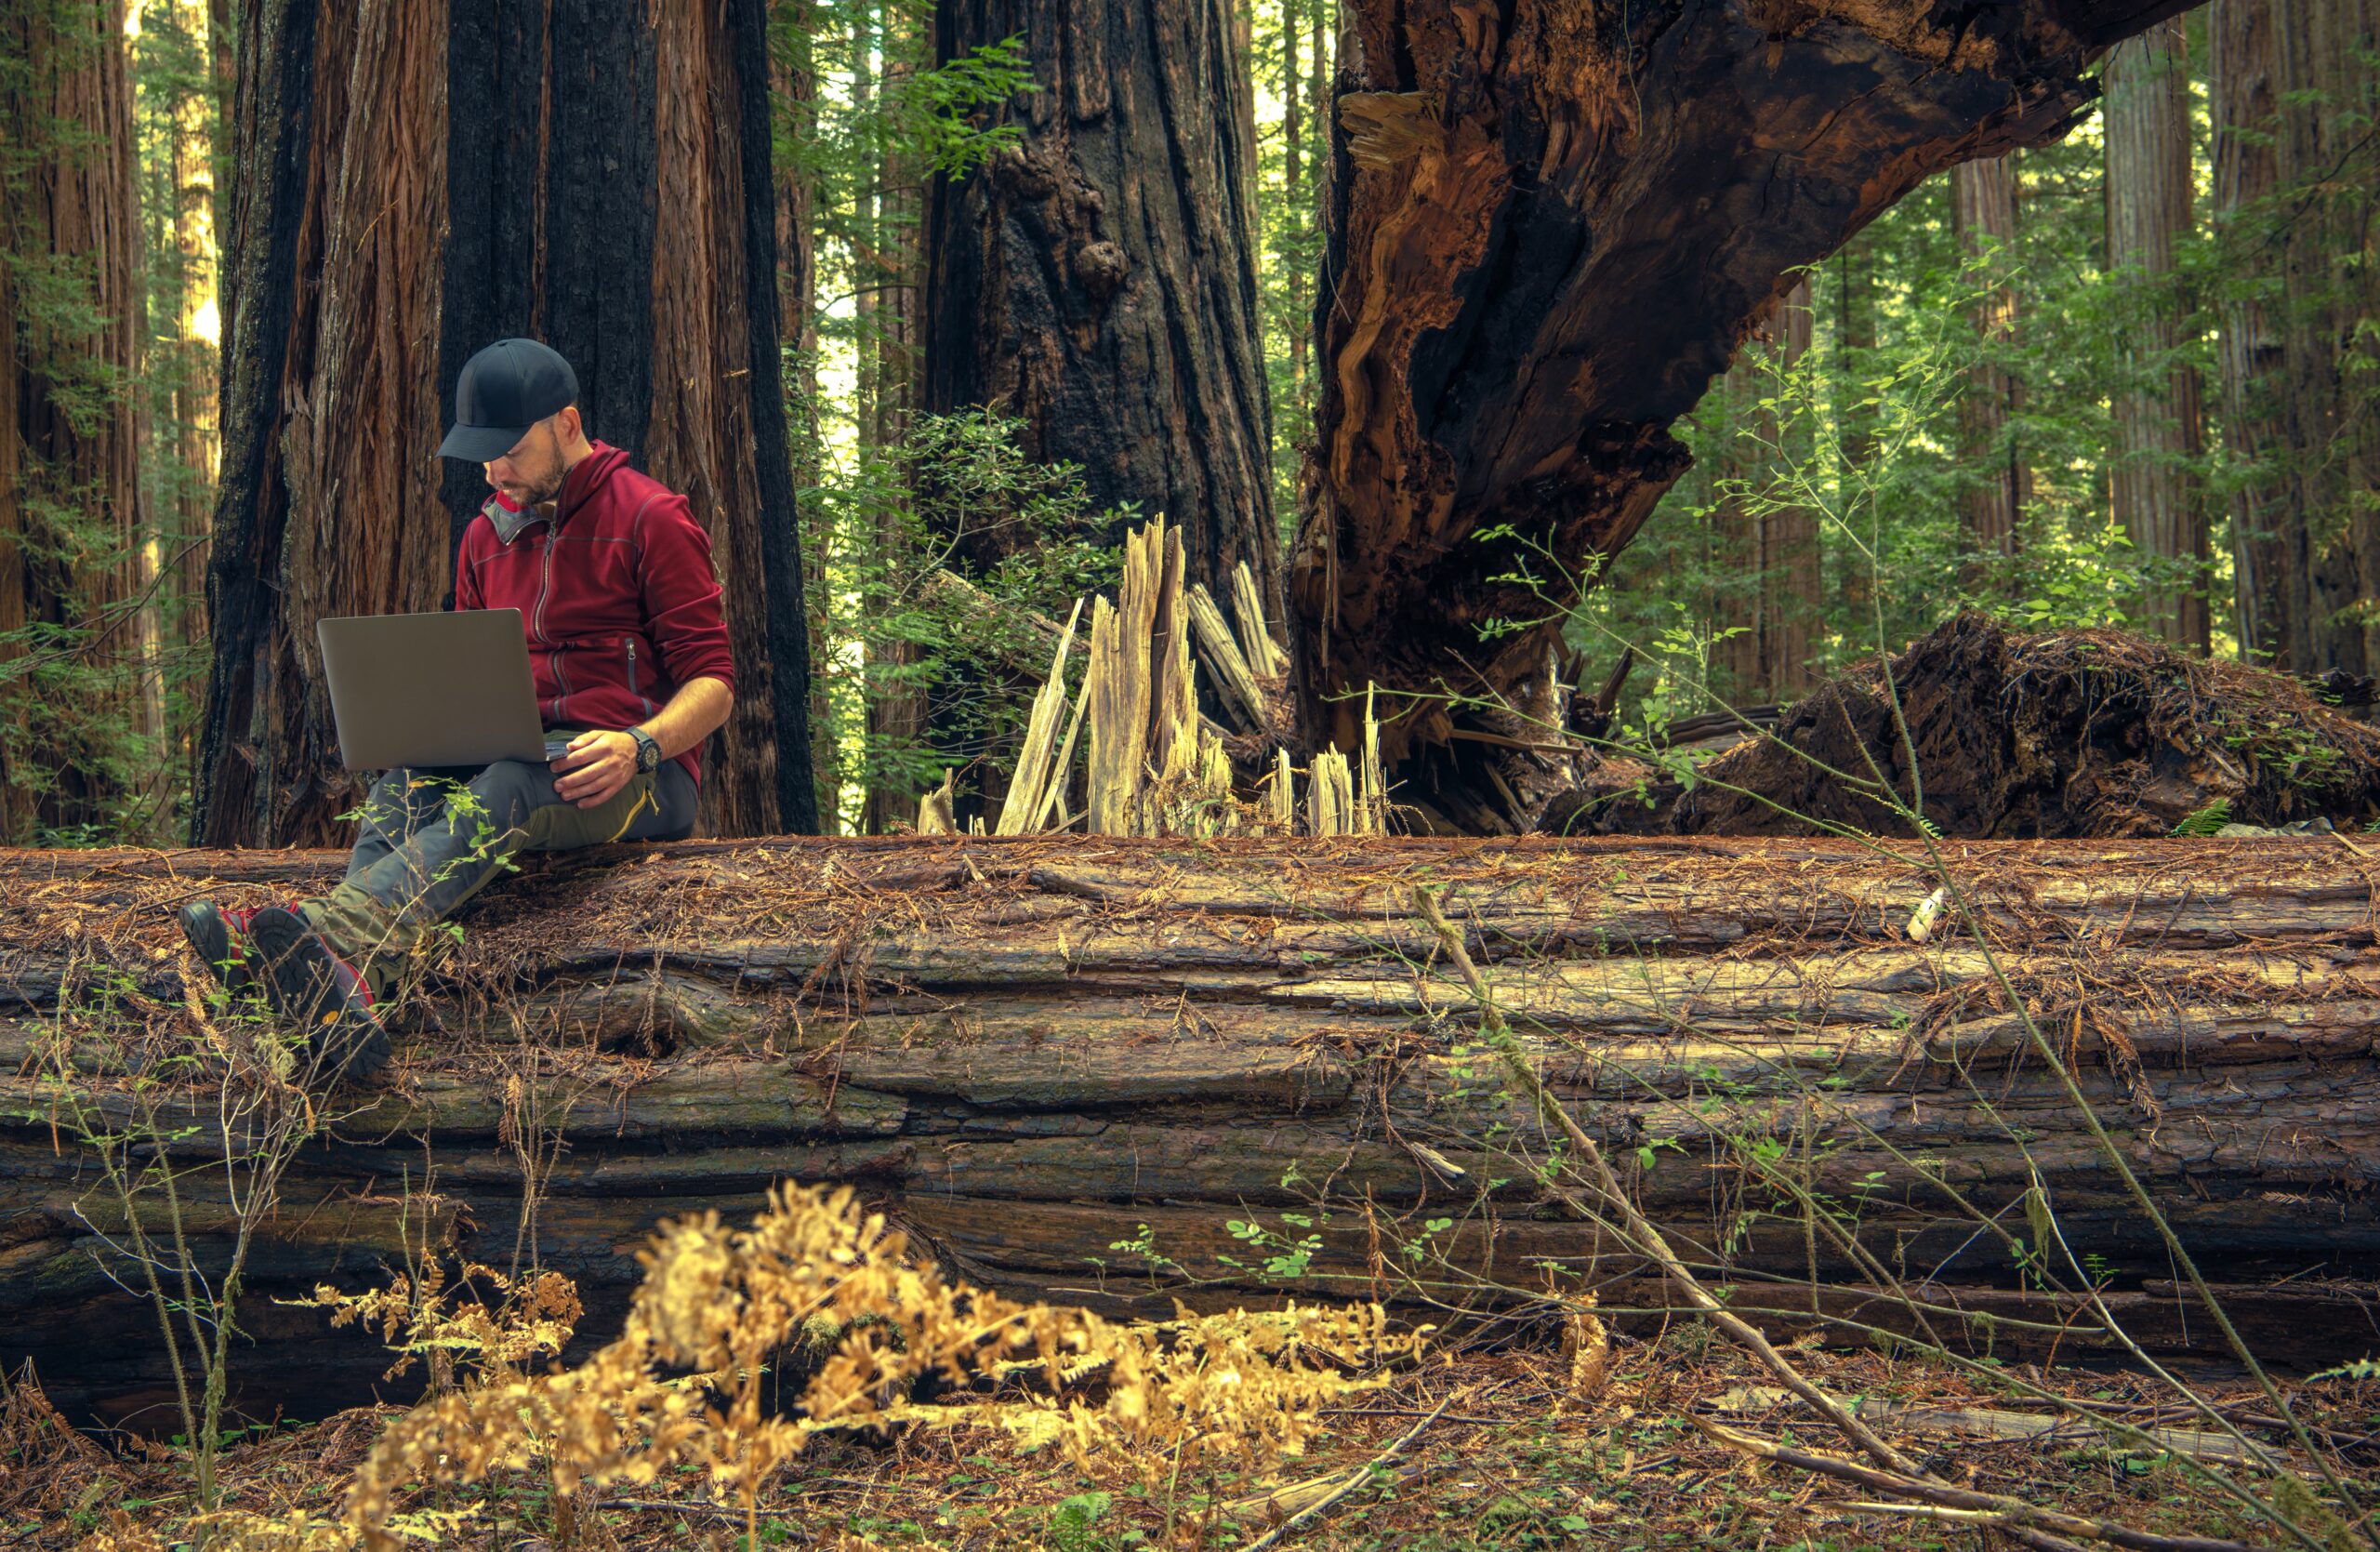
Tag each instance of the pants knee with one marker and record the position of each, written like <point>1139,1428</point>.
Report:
<point>508,790</point>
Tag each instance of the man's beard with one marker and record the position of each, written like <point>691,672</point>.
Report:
<point>525,497</point>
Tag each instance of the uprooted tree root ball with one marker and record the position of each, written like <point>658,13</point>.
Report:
<point>2062,734</point>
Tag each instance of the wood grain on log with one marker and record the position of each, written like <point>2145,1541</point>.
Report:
<point>1038,1053</point>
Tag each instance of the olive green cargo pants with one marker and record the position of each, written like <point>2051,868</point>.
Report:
<point>432,837</point>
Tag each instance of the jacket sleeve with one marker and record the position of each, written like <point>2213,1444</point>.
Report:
<point>467,569</point>
<point>682,606</point>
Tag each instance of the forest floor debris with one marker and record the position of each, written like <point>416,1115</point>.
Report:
<point>2066,733</point>
<point>1517,1460</point>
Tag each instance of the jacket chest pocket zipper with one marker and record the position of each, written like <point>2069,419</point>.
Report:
<point>628,645</point>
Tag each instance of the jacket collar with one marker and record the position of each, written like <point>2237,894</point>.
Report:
<point>585,478</point>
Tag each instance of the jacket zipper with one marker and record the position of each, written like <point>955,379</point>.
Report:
<point>537,617</point>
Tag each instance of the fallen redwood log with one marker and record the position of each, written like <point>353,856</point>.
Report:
<point>1122,1072</point>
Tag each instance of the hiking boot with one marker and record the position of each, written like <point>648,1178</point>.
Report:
<point>216,933</point>
<point>314,986</point>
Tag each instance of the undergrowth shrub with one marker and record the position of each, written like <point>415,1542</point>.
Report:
<point>684,1382</point>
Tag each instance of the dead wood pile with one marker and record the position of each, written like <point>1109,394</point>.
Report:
<point>1072,1066</point>
<point>2072,733</point>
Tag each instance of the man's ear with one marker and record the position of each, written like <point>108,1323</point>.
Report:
<point>566,424</point>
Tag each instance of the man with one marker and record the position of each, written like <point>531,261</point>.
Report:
<point>628,645</point>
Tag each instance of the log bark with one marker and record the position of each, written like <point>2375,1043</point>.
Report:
<point>1097,280</point>
<point>1551,229</point>
<point>370,252</point>
<point>1072,1066</point>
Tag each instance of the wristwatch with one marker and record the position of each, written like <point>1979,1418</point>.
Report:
<point>648,754</point>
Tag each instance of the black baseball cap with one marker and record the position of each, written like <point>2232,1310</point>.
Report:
<point>503,391</point>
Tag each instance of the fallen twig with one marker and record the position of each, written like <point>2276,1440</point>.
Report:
<point>1356,1478</point>
<point>1998,1509</point>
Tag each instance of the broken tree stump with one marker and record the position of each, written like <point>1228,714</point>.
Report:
<point>1074,1066</point>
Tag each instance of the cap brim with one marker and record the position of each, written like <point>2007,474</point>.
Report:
<point>480,443</point>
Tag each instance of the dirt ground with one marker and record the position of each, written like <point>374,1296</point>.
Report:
<point>1507,1455</point>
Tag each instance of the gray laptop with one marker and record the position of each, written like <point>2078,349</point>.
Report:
<point>451,688</point>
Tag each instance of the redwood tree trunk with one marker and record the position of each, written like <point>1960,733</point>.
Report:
<point>1776,545</point>
<point>2327,162</point>
<point>1552,225</point>
<point>71,322</point>
<point>2157,419</point>
<point>1983,214</point>
<point>2239,101</point>
<point>576,133</point>
<point>1098,279</point>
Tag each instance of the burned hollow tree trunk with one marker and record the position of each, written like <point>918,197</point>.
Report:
<point>1073,1066</point>
<point>1097,279</point>
<point>1552,226</point>
<point>371,251</point>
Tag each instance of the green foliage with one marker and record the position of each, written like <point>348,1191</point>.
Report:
<point>2205,821</point>
<point>900,516</point>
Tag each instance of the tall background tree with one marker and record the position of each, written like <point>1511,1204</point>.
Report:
<point>2156,497</point>
<point>1098,278</point>
<point>79,637</point>
<point>412,182</point>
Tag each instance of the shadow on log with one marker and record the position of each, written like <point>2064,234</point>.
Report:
<point>2063,734</point>
<point>1072,1065</point>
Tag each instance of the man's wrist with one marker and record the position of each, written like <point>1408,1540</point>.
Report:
<point>647,749</point>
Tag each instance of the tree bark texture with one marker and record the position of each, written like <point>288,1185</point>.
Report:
<point>1098,279</point>
<point>371,253</point>
<point>2156,424</point>
<point>1032,1051</point>
<point>2329,297</point>
<point>1984,216</point>
<point>793,88</point>
<point>1775,544</point>
<point>1551,228</point>
<point>2248,345</point>
<point>70,323</point>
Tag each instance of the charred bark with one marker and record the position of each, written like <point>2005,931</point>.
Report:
<point>370,252</point>
<point>1097,280</point>
<point>1551,228</point>
<point>1025,1049</point>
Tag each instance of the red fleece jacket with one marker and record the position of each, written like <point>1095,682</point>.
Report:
<point>615,589</point>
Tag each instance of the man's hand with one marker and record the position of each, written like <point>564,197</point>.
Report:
<point>597,764</point>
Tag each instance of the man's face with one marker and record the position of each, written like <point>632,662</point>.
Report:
<point>532,472</point>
